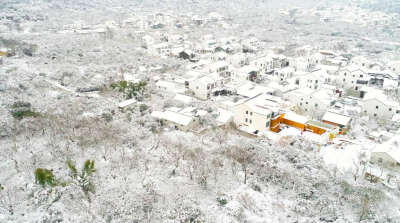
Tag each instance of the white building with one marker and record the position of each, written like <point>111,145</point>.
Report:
<point>248,72</point>
<point>203,86</point>
<point>220,67</point>
<point>280,61</point>
<point>264,63</point>
<point>313,102</point>
<point>162,49</point>
<point>126,103</point>
<point>250,90</point>
<point>180,121</point>
<point>376,104</point>
<point>284,73</point>
<point>253,115</point>
<point>219,56</point>
<point>170,86</point>
<point>394,66</point>
<point>147,41</point>
<point>352,77</point>
<point>302,64</point>
<point>312,80</point>
<point>362,62</point>
<point>251,44</point>
<point>239,60</point>
<point>387,154</point>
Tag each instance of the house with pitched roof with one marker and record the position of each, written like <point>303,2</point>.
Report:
<point>205,85</point>
<point>253,115</point>
<point>387,154</point>
<point>375,103</point>
<point>352,76</point>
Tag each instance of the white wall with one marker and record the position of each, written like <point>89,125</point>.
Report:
<point>258,122</point>
<point>383,111</point>
<point>199,89</point>
<point>349,79</point>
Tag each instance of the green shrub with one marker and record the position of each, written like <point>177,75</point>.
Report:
<point>222,201</point>
<point>255,187</point>
<point>107,117</point>
<point>72,169</point>
<point>21,109</point>
<point>130,90</point>
<point>45,177</point>
<point>20,104</point>
<point>88,168</point>
<point>143,107</point>
<point>83,179</point>
<point>20,114</point>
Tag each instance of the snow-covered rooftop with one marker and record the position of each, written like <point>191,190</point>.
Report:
<point>295,117</point>
<point>126,103</point>
<point>173,117</point>
<point>250,90</point>
<point>372,93</point>
<point>391,147</point>
<point>183,98</point>
<point>165,84</point>
<point>336,118</point>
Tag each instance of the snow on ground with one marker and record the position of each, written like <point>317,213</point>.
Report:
<point>290,131</point>
<point>345,159</point>
<point>146,172</point>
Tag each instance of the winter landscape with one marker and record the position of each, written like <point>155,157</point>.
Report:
<point>195,111</point>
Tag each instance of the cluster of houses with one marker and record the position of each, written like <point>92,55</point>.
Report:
<point>355,15</point>
<point>270,85</point>
<point>261,90</point>
<point>223,69</point>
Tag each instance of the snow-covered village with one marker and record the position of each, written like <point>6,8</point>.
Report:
<point>200,111</point>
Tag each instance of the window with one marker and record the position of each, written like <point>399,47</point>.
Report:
<point>316,105</point>
<point>301,104</point>
<point>267,124</point>
<point>390,109</point>
<point>361,75</point>
<point>302,99</point>
<point>306,102</point>
<point>251,113</point>
<point>250,121</point>
<point>345,74</point>
<point>344,79</point>
<point>247,112</point>
<point>375,115</point>
<point>380,160</point>
<point>397,111</point>
<point>306,109</point>
<point>246,120</point>
<point>377,107</point>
